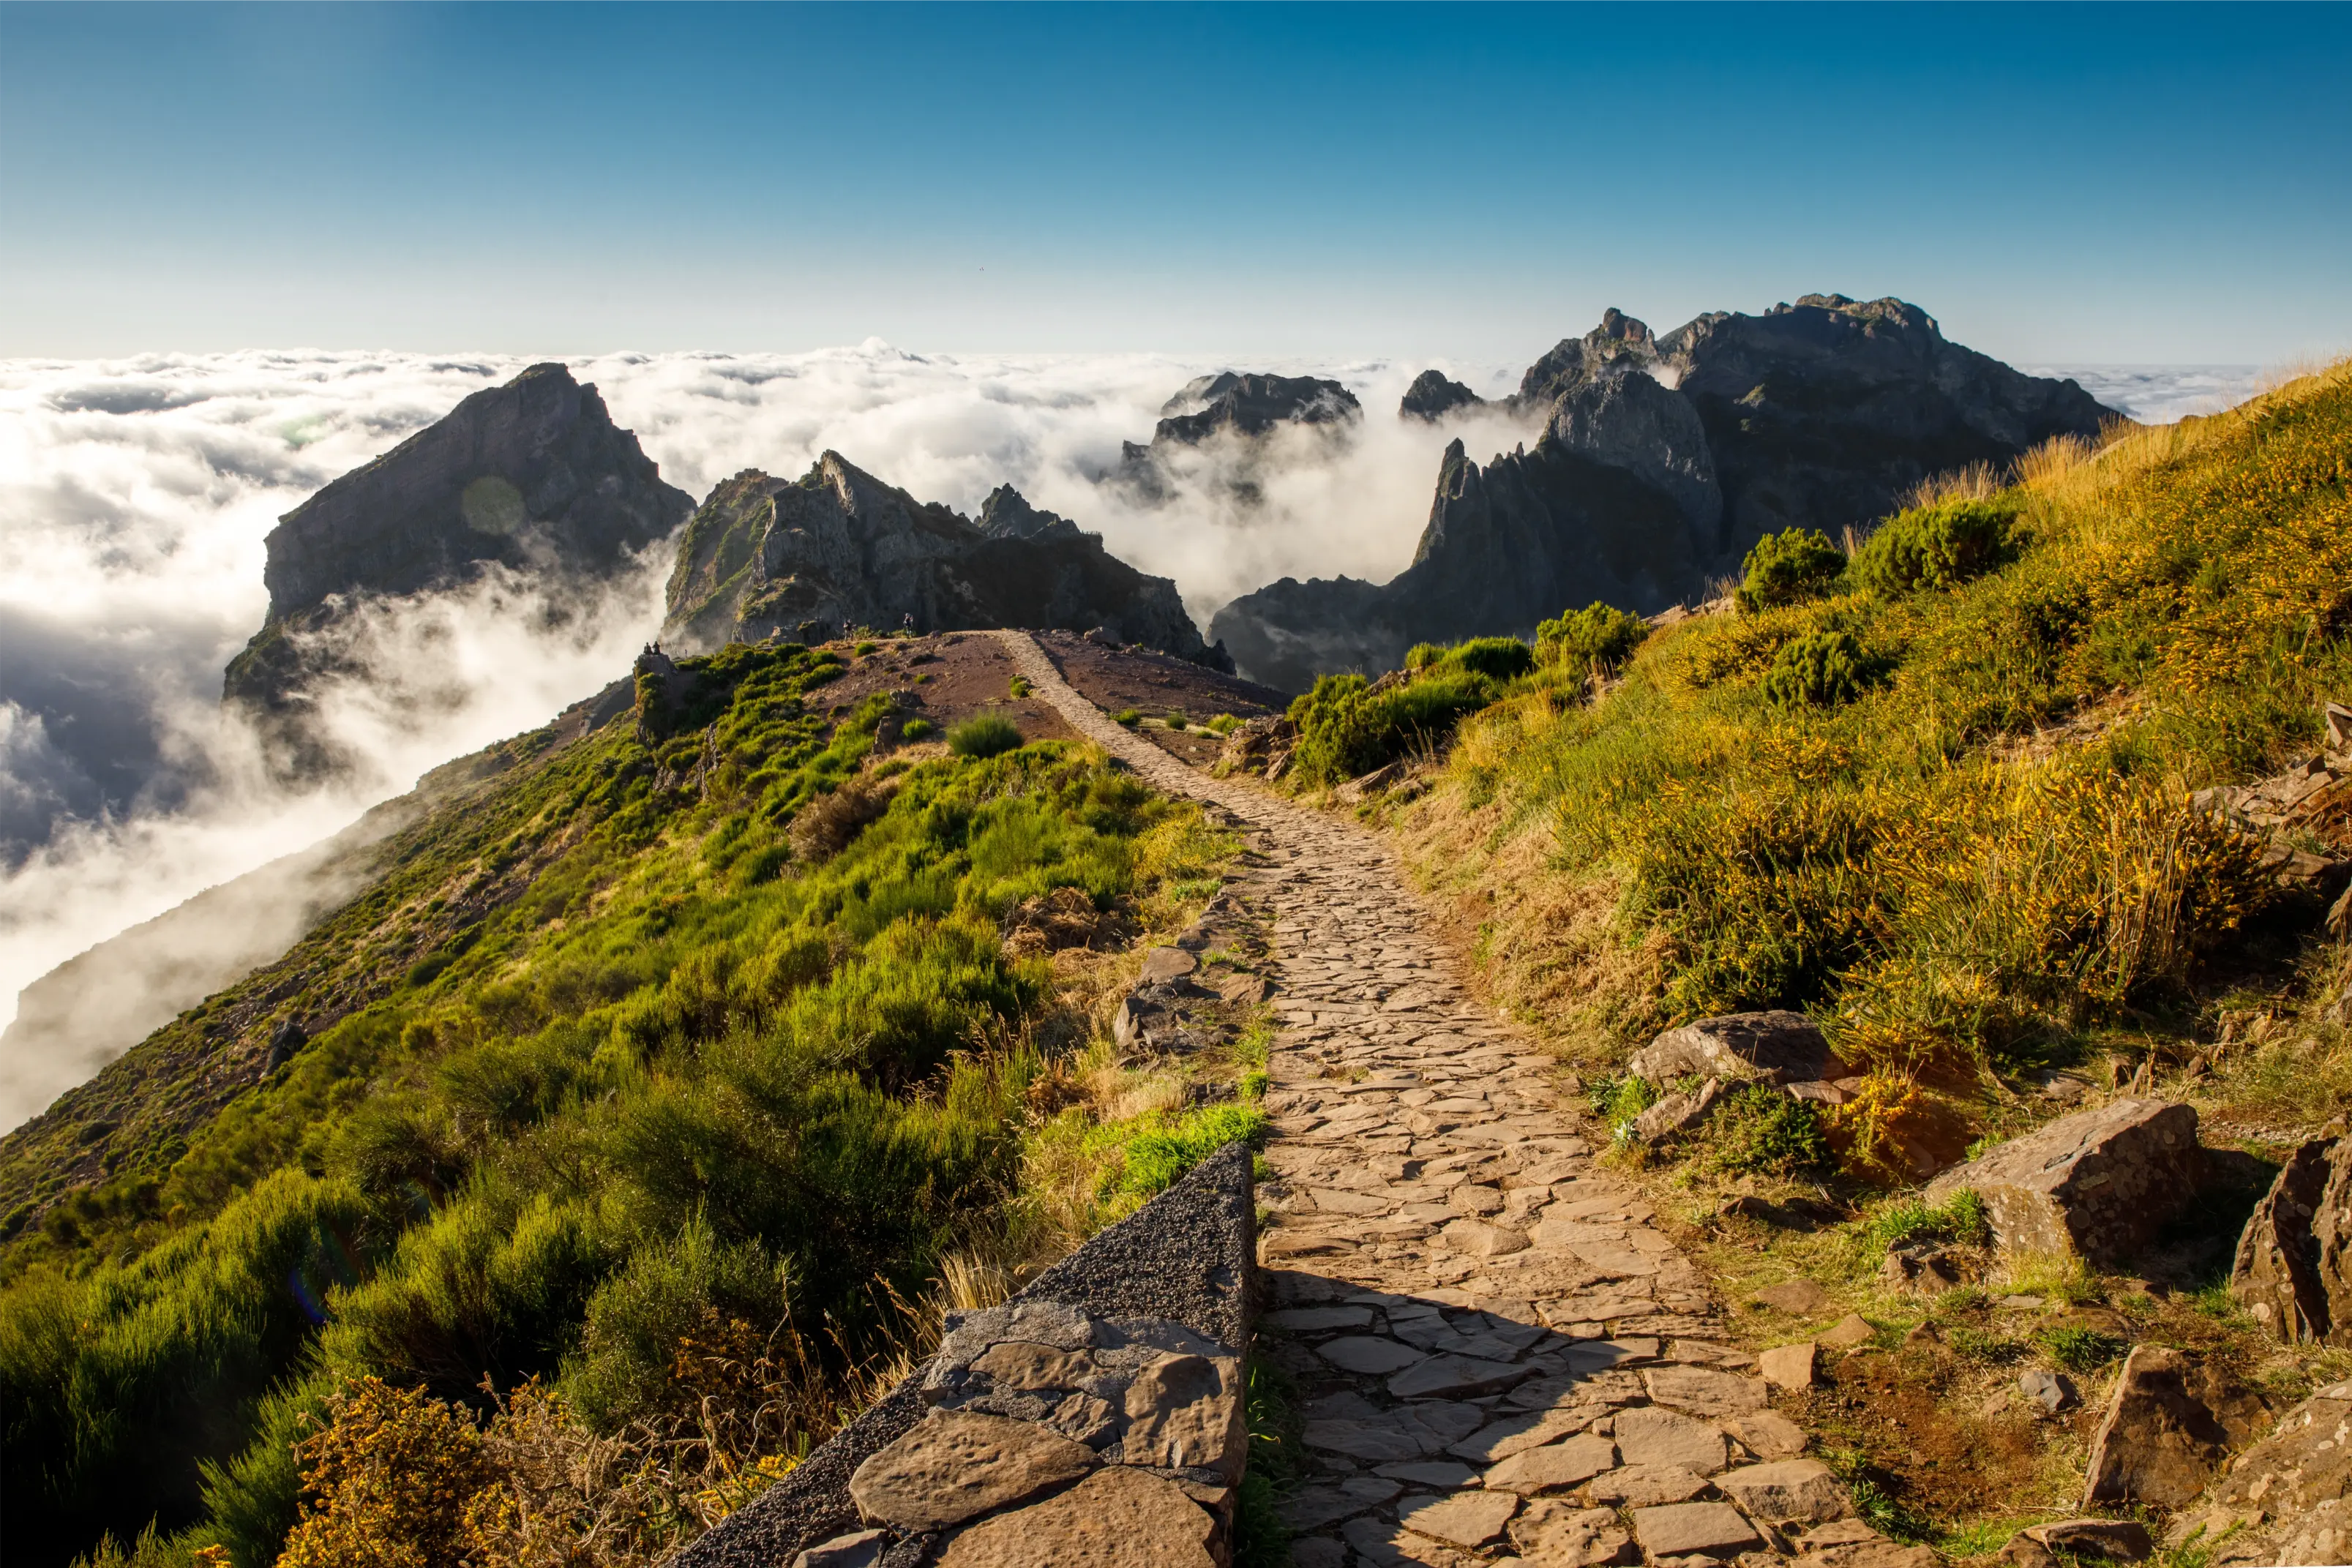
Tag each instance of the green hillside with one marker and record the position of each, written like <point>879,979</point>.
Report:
<point>682,1067</point>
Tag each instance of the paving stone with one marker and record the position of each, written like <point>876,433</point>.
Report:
<point>1644,1486</point>
<point>1119,1517</point>
<point>1551,1533</point>
<point>1554,1468</point>
<point>1184,1412</point>
<point>1477,1238</point>
<point>1368,1355</point>
<point>1704,1391</point>
<point>1515,1434</point>
<point>1317,1551</point>
<point>1793,1366</point>
<point>1649,1436</point>
<point>1462,1519</point>
<point>1693,1530</point>
<point>1313,1319</point>
<point>1441,1473</point>
<point>1021,1365</point>
<point>1313,1506</point>
<point>1766,1434</point>
<point>1386,1545</point>
<point>957,1464</point>
<point>1374,1442</point>
<point>1442,1377</point>
<point>1789,1491</point>
<point>859,1549</point>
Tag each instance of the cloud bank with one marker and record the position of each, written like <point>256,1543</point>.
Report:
<point>135,496</point>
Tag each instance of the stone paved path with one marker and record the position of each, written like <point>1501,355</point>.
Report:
<point>1502,1358</point>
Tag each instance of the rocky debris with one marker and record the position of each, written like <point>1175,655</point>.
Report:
<point>1676,1114</point>
<point>1176,1005</point>
<point>1776,1048</point>
<point>2293,1272</point>
<point>2097,1184</point>
<point>1433,395</point>
<point>532,474</point>
<point>1925,1268</point>
<point>764,555</point>
<point>2115,1540</point>
<point>1660,462</point>
<point>2162,1440</point>
<point>2286,1499</point>
<point>2311,801</point>
<point>1261,745</point>
<point>858,1549</point>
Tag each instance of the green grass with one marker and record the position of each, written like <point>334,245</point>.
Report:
<point>989,735</point>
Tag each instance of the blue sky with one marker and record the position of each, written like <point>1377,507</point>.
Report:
<point>2056,184</point>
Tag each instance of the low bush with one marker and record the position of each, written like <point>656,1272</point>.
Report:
<point>1761,1131</point>
<point>1019,688</point>
<point>917,729</point>
<point>1597,637</point>
<point>1936,546</point>
<point>1819,669</point>
<point>989,735</point>
<point>1786,567</point>
<point>1128,718</point>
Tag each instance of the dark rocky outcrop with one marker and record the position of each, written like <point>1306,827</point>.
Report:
<point>1233,405</point>
<point>2293,1268</point>
<point>1660,462</point>
<point>531,474</point>
<point>766,555</point>
<point>1433,395</point>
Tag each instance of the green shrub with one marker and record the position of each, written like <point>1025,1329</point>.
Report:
<point>1421,655</point>
<point>1175,719</point>
<point>1019,688</point>
<point>1599,635</point>
<point>865,648</point>
<point>1788,565</point>
<point>1960,1220</point>
<point>1128,716</point>
<point>1223,724</point>
<point>1819,669</point>
<point>1496,658</point>
<point>1936,546</point>
<point>1618,1098</point>
<point>1767,1134</point>
<point>916,729</point>
<point>989,735</point>
<point>1345,729</point>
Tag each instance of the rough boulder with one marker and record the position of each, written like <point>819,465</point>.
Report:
<point>2097,1184</point>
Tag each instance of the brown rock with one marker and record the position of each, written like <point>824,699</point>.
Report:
<point>2125,1540</point>
<point>1646,1435</point>
<point>1792,1492</point>
<point>1677,1113</point>
<point>1849,1331</point>
<point>1693,1530</point>
<point>1770,1047</point>
<point>1553,1535</point>
<point>1456,1377</point>
<point>1119,1517</point>
<point>2096,1183</point>
<point>859,1549</point>
<point>1164,964</point>
<point>1924,1270</point>
<point>1464,1519</point>
<point>1794,1367</point>
<point>1311,1508</point>
<point>1385,1545</point>
<point>1516,1434</point>
<point>2159,1443</point>
<point>1798,1298</point>
<point>1185,1412</point>
<point>1555,1468</point>
<point>1368,1355</point>
<point>959,1464</point>
<point>2293,1489</point>
<point>1480,1240</point>
<point>2280,1277</point>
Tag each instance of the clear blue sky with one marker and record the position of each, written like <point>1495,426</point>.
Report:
<point>2055,183</point>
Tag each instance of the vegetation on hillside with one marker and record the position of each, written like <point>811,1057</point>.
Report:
<point>627,1191</point>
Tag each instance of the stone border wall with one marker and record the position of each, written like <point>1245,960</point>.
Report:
<point>1120,1363</point>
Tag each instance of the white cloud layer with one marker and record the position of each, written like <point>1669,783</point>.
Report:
<point>135,496</point>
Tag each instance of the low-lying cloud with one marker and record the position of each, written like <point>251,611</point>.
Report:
<point>135,496</point>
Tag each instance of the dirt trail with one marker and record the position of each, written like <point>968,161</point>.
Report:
<point>1499,1353</point>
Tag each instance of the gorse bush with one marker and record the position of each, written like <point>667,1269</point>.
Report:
<point>1347,728</point>
<point>1598,636</point>
<point>1788,565</point>
<point>989,735</point>
<point>1936,547</point>
<point>746,1053</point>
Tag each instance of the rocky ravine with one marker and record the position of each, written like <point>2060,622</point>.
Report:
<point>1502,1356</point>
<point>1661,461</point>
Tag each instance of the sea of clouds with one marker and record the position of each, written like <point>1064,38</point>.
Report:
<point>135,496</point>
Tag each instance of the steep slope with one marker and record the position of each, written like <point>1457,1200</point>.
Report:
<point>531,474</point>
<point>802,556</point>
<point>1663,460</point>
<point>719,1002</point>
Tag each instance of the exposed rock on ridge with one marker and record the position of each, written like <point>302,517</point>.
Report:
<point>1433,395</point>
<point>1232,405</point>
<point>1660,462</point>
<point>531,474</point>
<point>765,555</point>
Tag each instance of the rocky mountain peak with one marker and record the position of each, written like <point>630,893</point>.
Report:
<point>1432,395</point>
<point>1619,344</point>
<point>1252,405</point>
<point>1007,513</point>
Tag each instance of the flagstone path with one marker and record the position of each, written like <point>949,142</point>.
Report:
<point>1501,1357</point>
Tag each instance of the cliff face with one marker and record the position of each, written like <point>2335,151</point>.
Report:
<point>531,474</point>
<point>1660,462</point>
<point>800,557</point>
